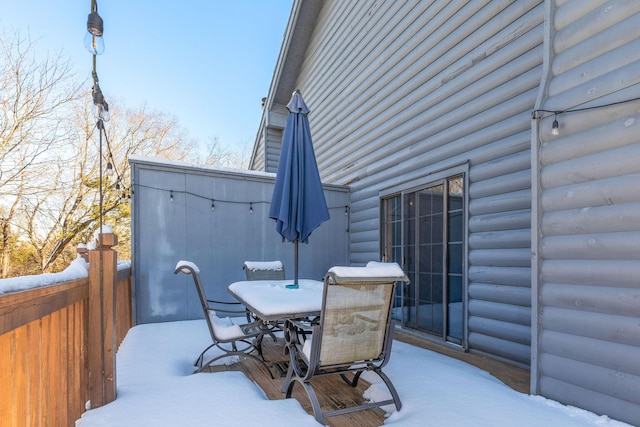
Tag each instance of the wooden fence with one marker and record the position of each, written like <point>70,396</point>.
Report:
<point>44,351</point>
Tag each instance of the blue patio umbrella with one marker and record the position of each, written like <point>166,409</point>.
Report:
<point>298,204</point>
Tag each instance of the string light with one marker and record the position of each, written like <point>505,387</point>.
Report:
<point>93,40</point>
<point>171,197</point>
<point>346,214</point>
<point>555,126</point>
<point>217,201</point>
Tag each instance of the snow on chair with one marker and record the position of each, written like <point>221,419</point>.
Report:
<point>264,270</point>
<point>354,333</point>
<point>231,338</point>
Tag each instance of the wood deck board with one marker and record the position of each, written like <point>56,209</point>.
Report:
<point>334,394</point>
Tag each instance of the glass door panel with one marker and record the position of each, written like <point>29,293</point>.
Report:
<point>455,258</point>
<point>424,232</point>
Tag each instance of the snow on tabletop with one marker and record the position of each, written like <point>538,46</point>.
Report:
<point>272,297</point>
<point>156,388</point>
<point>263,265</point>
<point>183,263</point>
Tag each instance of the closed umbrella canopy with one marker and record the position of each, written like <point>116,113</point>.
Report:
<point>298,204</point>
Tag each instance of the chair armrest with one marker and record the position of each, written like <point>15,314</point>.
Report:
<point>226,307</point>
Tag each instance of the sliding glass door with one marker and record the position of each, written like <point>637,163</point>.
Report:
<point>423,231</point>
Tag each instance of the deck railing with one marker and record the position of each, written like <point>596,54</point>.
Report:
<point>45,349</point>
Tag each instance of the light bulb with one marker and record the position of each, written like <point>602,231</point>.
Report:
<point>93,40</point>
<point>554,128</point>
<point>102,111</point>
<point>94,44</point>
<point>109,169</point>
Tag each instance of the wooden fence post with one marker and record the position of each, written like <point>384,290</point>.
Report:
<point>103,273</point>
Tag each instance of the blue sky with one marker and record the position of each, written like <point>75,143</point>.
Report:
<point>207,62</point>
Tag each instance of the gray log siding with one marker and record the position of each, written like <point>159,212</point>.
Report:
<point>586,342</point>
<point>273,150</point>
<point>403,92</point>
<point>435,86</point>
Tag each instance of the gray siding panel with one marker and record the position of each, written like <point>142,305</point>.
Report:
<point>592,272</point>
<point>596,378</point>
<point>497,239</point>
<point>578,395</point>
<point>602,326</point>
<point>509,350</point>
<point>273,150</point>
<point>586,239</point>
<point>514,295</point>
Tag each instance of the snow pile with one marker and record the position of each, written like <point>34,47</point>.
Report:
<point>156,388</point>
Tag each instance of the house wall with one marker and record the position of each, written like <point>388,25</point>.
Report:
<point>257,161</point>
<point>266,151</point>
<point>273,150</point>
<point>166,231</point>
<point>401,91</point>
<point>587,192</point>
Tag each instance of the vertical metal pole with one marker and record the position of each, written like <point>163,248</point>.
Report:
<point>295,261</point>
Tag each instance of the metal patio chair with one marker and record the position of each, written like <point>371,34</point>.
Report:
<point>232,339</point>
<point>265,270</point>
<point>354,333</point>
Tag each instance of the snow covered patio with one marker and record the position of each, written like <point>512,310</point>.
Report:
<point>156,388</point>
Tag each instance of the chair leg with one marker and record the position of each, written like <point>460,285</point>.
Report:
<point>239,354</point>
<point>198,361</point>
<point>354,381</point>
<point>315,405</point>
<point>392,389</point>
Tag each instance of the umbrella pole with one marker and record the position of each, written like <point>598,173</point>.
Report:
<point>295,261</point>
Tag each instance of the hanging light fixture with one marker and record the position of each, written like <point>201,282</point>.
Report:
<point>101,106</point>
<point>93,40</point>
<point>554,127</point>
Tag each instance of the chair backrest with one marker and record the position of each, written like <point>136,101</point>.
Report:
<point>355,321</point>
<point>191,269</point>
<point>264,270</point>
<point>221,329</point>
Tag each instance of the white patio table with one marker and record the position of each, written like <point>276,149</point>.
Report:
<point>272,300</point>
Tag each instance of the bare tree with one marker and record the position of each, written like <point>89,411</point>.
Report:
<point>34,95</point>
<point>53,160</point>
<point>72,210</point>
<point>220,155</point>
